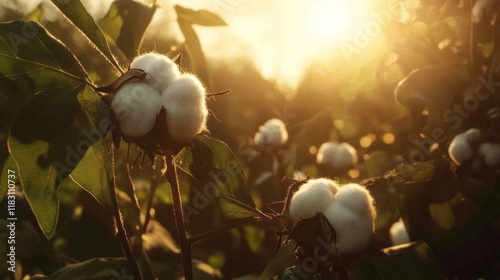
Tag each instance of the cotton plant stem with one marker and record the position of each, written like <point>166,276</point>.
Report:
<point>171,175</point>
<point>119,221</point>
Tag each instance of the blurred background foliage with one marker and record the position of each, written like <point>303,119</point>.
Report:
<point>344,92</point>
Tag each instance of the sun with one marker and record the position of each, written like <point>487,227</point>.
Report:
<point>327,18</point>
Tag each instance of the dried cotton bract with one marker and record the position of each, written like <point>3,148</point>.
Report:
<point>136,106</point>
<point>272,133</point>
<point>186,108</point>
<point>341,157</point>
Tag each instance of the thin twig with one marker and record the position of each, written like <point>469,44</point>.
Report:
<point>198,237</point>
<point>171,175</point>
<point>119,221</point>
<point>154,184</point>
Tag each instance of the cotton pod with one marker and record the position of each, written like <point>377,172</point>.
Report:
<point>136,106</point>
<point>460,150</point>
<point>312,198</point>
<point>341,157</point>
<point>186,106</point>
<point>272,133</point>
<point>481,7</point>
<point>398,233</point>
<point>352,216</point>
<point>473,135</point>
<point>160,70</point>
<point>490,152</point>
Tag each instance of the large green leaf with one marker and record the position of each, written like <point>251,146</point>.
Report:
<point>40,81</point>
<point>126,23</point>
<point>93,172</point>
<point>78,15</point>
<point>186,19</point>
<point>219,174</point>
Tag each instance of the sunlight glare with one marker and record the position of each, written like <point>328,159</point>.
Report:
<point>328,17</point>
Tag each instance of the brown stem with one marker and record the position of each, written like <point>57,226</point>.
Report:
<point>119,221</point>
<point>171,175</point>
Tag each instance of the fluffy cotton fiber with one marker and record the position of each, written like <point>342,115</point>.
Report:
<point>340,157</point>
<point>272,133</point>
<point>184,101</point>
<point>160,70</point>
<point>398,232</point>
<point>312,198</point>
<point>352,215</point>
<point>490,152</point>
<point>460,149</point>
<point>136,106</point>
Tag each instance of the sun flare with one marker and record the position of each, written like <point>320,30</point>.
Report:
<point>328,17</point>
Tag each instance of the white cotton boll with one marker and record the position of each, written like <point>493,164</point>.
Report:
<point>136,106</point>
<point>480,8</point>
<point>399,234</point>
<point>353,231</point>
<point>272,133</point>
<point>184,101</point>
<point>312,198</point>
<point>326,153</point>
<point>460,149</point>
<point>358,199</point>
<point>473,135</point>
<point>491,153</point>
<point>340,157</point>
<point>160,69</point>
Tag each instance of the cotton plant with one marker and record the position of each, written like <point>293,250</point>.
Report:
<point>474,148</point>
<point>138,102</point>
<point>272,133</point>
<point>349,210</point>
<point>337,158</point>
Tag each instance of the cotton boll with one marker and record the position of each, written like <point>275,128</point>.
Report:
<point>272,133</point>
<point>398,232</point>
<point>160,69</point>
<point>340,157</point>
<point>358,199</point>
<point>473,135</point>
<point>326,153</point>
<point>136,106</point>
<point>184,101</point>
<point>481,7</point>
<point>460,149</point>
<point>312,198</point>
<point>353,231</point>
<point>491,153</point>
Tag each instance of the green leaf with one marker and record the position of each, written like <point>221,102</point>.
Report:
<point>33,63</point>
<point>40,81</point>
<point>76,13</point>
<point>93,269</point>
<point>186,18</point>
<point>214,167</point>
<point>126,23</point>
<point>93,172</point>
<point>200,17</point>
